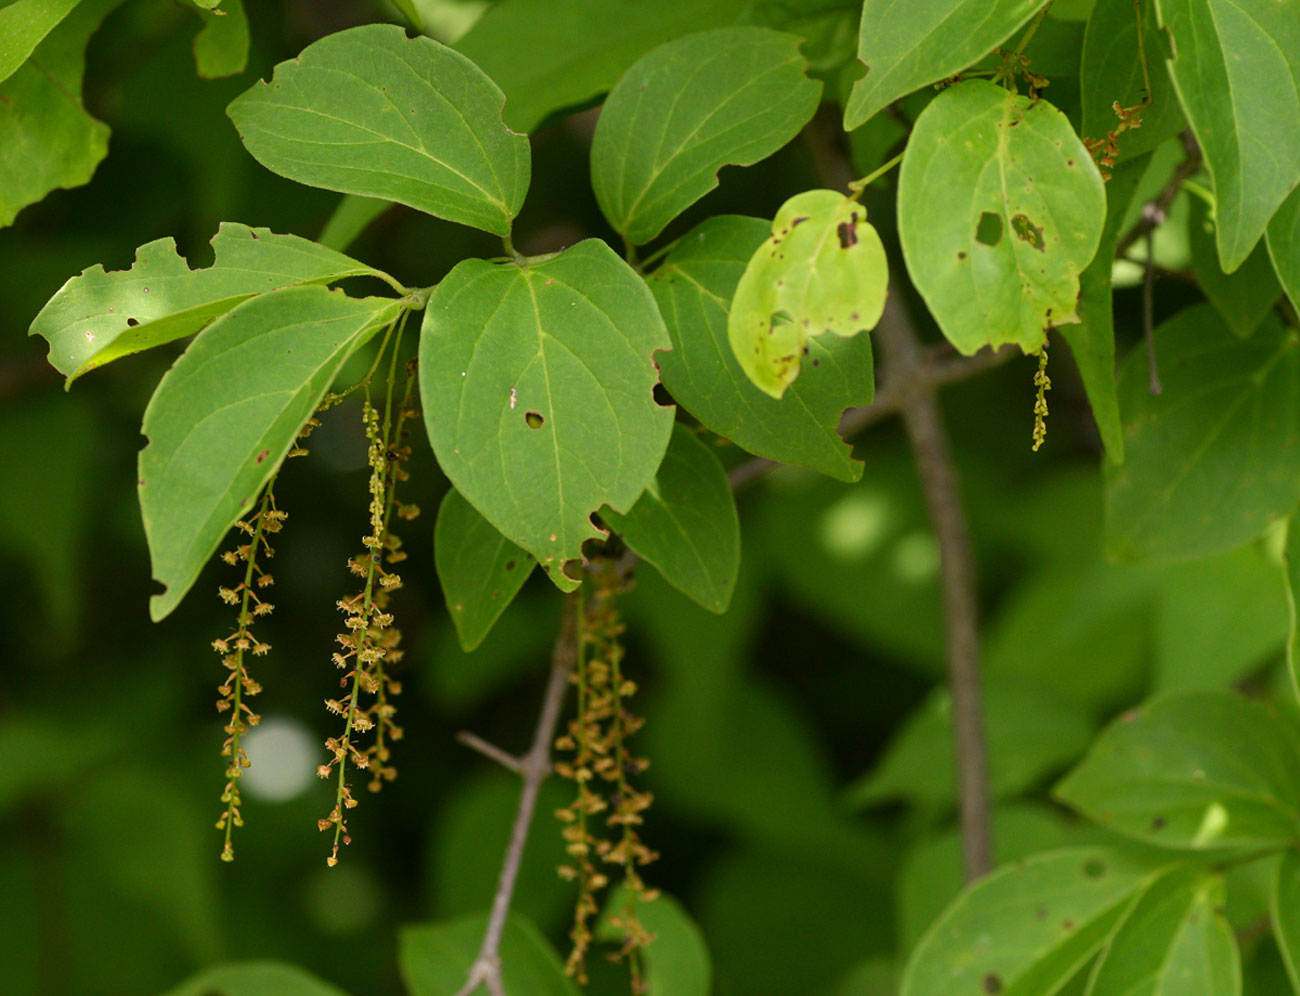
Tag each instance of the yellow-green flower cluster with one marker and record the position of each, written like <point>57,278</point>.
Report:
<point>235,648</point>
<point>602,765</point>
<point>369,643</point>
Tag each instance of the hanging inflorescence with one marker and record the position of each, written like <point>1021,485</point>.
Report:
<point>1104,151</point>
<point>369,643</point>
<point>1042,384</point>
<point>602,765</point>
<point>239,685</point>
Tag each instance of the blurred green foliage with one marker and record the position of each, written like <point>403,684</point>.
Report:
<point>804,809</point>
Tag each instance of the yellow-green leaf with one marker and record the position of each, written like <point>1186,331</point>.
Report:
<point>1000,208</point>
<point>694,288</point>
<point>101,316</point>
<point>823,269</point>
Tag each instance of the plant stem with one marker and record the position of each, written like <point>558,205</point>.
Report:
<point>925,430</point>
<point>1142,55</point>
<point>1148,312</point>
<point>858,186</point>
<point>1033,27</point>
<point>1153,216</point>
<point>658,254</point>
<point>237,724</point>
<point>534,766</point>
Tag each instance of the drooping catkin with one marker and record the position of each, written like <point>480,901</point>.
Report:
<point>602,766</point>
<point>369,643</point>
<point>236,648</point>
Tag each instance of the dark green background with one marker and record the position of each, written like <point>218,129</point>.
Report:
<point>758,723</point>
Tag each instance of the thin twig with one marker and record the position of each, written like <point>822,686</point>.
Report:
<point>1155,212</point>
<point>503,758</point>
<point>535,765</point>
<point>921,416</point>
<point>1149,311</point>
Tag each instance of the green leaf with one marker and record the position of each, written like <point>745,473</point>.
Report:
<point>1026,928</point>
<point>863,560</point>
<point>1030,736</point>
<point>1284,246</point>
<point>727,97</point>
<point>1291,573</point>
<point>24,25</point>
<point>163,863</point>
<point>369,111</point>
<point>435,958</point>
<point>1194,770</point>
<point>349,219</point>
<point>1174,941</point>
<point>677,961</point>
<point>538,394</point>
<point>255,978</point>
<point>549,55</point>
<point>822,269</point>
<point>1286,914</point>
<point>1215,458</point>
<point>685,523</point>
<point>1243,297</point>
<point>1219,619</point>
<point>100,316</point>
<point>221,48</point>
<point>929,875</point>
<point>1236,67</point>
<point>993,245</point>
<point>1092,341</point>
<point>1111,73</point>
<point>904,46</point>
<point>829,28</point>
<point>227,412</point>
<point>481,571</point>
<point>45,522</point>
<point>694,287</point>
<point>789,919</point>
<point>47,140</point>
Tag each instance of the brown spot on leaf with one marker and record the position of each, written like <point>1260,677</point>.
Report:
<point>846,230</point>
<point>263,455</point>
<point>992,983</point>
<point>1027,231</point>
